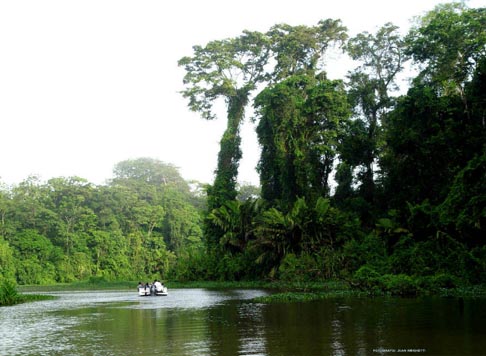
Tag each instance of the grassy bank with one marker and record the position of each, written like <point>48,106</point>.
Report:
<point>295,296</point>
<point>90,284</point>
<point>100,284</point>
<point>10,296</point>
<point>389,287</point>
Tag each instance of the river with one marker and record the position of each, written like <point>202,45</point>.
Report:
<point>199,322</point>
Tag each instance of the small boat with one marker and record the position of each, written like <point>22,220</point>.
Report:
<point>162,291</point>
<point>156,289</point>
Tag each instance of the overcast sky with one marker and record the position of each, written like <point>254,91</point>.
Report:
<point>87,84</point>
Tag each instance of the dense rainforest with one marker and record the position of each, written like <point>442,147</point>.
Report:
<point>142,223</point>
<point>360,179</point>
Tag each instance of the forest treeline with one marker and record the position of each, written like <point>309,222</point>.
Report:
<point>67,229</point>
<point>358,180</point>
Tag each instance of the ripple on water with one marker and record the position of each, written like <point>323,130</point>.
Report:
<point>45,328</point>
<point>207,322</point>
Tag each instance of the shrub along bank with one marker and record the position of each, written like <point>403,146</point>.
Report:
<point>10,296</point>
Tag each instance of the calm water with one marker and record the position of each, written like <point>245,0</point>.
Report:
<point>200,322</point>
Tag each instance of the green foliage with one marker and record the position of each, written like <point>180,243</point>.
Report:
<point>394,284</point>
<point>408,212</point>
<point>404,258</point>
<point>299,49</point>
<point>297,269</point>
<point>247,191</point>
<point>478,257</point>
<point>189,267</point>
<point>231,219</point>
<point>443,254</point>
<point>425,146</point>
<point>229,69</point>
<point>369,250</point>
<point>34,254</point>
<point>305,241</point>
<point>321,265</point>
<point>450,40</point>
<point>344,189</point>
<point>148,171</point>
<point>437,283</point>
<point>300,120</point>
<point>464,208</point>
<point>7,265</point>
<point>10,296</point>
<point>399,284</point>
<point>66,229</point>
<point>213,69</point>
<point>286,297</point>
<point>8,293</point>
<point>370,86</point>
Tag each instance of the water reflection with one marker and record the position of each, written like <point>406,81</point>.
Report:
<point>252,338</point>
<point>204,322</point>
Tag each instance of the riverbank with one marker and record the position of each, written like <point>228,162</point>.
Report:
<point>10,296</point>
<point>282,291</point>
<point>91,284</point>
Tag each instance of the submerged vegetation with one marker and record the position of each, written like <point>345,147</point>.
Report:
<point>382,192</point>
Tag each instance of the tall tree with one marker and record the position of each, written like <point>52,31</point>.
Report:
<point>285,112</point>
<point>151,171</point>
<point>230,69</point>
<point>300,119</point>
<point>301,49</point>
<point>69,198</point>
<point>370,84</point>
<point>439,126</point>
<point>422,147</point>
<point>157,202</point>
<point>449,42</point>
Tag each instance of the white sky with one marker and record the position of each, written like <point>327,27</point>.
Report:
<point>88,83</point>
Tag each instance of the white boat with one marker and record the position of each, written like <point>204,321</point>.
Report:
<point>162,291</point>
<point>157,289</point>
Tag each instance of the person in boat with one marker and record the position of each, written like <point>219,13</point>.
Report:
<point>158,286</point>
<point>147,287</point>
<point>140,285</point>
